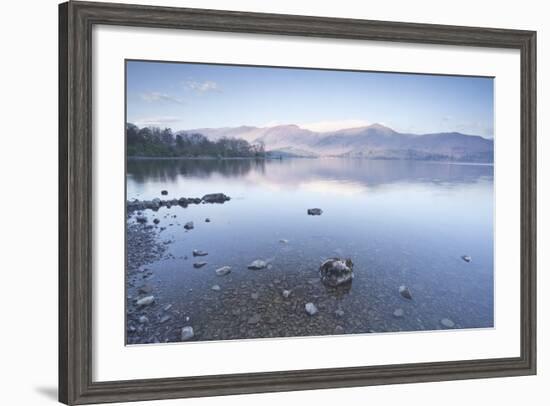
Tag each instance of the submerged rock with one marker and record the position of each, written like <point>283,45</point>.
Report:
<point>187,333</point>
<point>448,323</point>
<point>398,313</point>
<point>156,221</point>
<point>141,219</point>
<point>466,258</point>
<point>286,293</point>
<point>339,330</point>
<point>255,296</point>
<point>189,225</point>
<point>283,241</point>
<point>165,318</point>
<point>216,288</point>
<point>143,319</point>
<point>199,253</point>
<point>314,212</point>
<point>224,270</point>
<point>146,288</point>
<point>215,198</point>
<point>145,301</point>
<point>311,309</point>
<point>199,264</point>
<point>258,264</point>
<point>255,319</point>
<point>339,313</point>
<point>335,271</point>
<point>405,292</point>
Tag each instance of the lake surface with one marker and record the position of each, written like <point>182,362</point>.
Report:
<point>400,222</point>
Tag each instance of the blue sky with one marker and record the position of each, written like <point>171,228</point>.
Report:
<point>187,96</point>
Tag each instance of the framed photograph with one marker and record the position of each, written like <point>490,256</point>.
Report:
<point>259,202</point>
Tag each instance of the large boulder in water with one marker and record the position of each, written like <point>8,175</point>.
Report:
<point>335,272</point>
<point>215,198</point>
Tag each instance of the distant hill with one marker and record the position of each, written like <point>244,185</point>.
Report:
<point>374,141</point>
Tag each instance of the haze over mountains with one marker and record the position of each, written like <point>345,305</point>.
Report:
<point>374,141</point>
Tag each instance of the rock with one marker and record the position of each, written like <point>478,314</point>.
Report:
<point>145,301</point>
<point>448,323</point>
<point>156,221</point>
<point>199,264</point>
<point>339,330</point>
<point>164,192</point>
<point>141,219</point>
<point>143,320</point>
<point>257,265</point>
<point>215,198</point>
<point>286,293</point>
<point>311,309</point>
<point>314,212</point>
<point>255,319</point>
<point>335,271</point>
<point>147,288</point>
<point>207,220</point>
<point>216,288</point>
<point>167,307</point>
<point>189,225</point>
<point>165,318</point>
<point>405,292</point>
<point>283,241</point>
<point>182,201</point>
<point>466,258</point>
<point>224,270</point>
<point>254,296</point>
<point>398,313</point>
<point>187,333</point>
<point>199,253</point>
<point>339,313</point>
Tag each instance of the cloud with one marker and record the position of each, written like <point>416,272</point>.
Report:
<point>323,126</point>
<point>202,87</point>
<point>152,97</point>
<point>156,121</point>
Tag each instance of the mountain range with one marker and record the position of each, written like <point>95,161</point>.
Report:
<point>374,141</point>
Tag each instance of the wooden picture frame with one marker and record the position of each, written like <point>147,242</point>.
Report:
<point>76,20</point>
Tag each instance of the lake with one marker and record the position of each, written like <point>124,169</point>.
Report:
<point>400,222</point>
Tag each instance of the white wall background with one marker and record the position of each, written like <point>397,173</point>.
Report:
<point>28,204</point>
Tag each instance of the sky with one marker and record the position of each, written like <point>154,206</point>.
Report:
<point>185,96</point>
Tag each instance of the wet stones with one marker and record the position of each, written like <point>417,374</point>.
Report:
<point>189,225</point>
<point>187,333</point>
<point>224,270</point>
<point>335,272</point>
<point>314,212</point>
<point>257,265</point>
<point>405,292</point>
<point>199,264</point>
<point>215,198</point>
<point>145,301</point>
<point>199,253</point>
<point>311,309</point>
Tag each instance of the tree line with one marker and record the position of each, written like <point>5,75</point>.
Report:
<point>157,142</point>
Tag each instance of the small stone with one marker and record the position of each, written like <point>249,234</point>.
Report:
<point>405,292</point>
<point>257,264</point>
<point>286,293</point>
<point>466,258</point>
<point>314,212</point>
<point>199,253</point>
<point>187,333</point>
<point>165,318</point>
<point>283,241</point>
<point>145,301</point>
<point>224,270</point>
<point>216,288</point>
<point>189,225</point>
<point>398,313</point>
<point>156,221</point>
<point>339,313</point>
<point>143,319</point>
<point>255,319</point>
<point>448,323</point>
<point>164,192</point>
<point>207,220</point>
<point>167,307</point>
<point>336,271</point>
<point>339,330</point>
<point>254,296</point>
<point>311,309</point>
<point>199,264</point>
<point>147,288</point>
<point>141,219</point>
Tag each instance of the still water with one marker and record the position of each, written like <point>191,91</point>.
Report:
<point>400,222</point>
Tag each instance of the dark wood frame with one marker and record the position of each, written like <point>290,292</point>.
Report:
<point>76,20</point>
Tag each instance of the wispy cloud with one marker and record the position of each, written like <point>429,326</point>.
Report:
<point>156,121</point>
<point>202,86</point>
<point>322,126</point>
<point>152,97</point>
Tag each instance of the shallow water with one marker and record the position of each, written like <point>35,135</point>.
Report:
<point>401,223</point>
